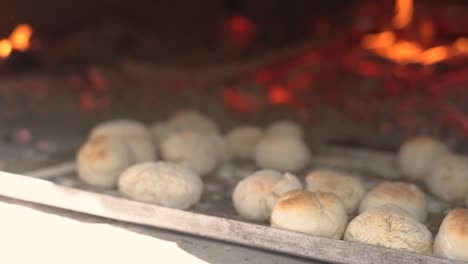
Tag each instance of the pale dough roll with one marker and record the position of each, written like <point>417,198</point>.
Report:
<point>193,120</point>
<point>348,188</point>
<point>197,151</point>
<point>282,152</point>
<point>452,240</point>
<point>448,179</point>
<point>120,127</point>
<point>416,156</point>
<point>315,213</point>
<point>242,140</point>
<point>161,183</point>
<point>101,160</point>
<point>285,127</point>
<point>134,133</point>
<point>255,196</point>
<point>391,227</point>
<point>407,196</point>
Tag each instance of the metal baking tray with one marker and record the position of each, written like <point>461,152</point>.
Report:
<point>214,216</point>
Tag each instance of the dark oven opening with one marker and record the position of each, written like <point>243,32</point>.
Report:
<point>366,73</point>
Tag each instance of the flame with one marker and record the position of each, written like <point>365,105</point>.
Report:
<point>19,39</point>
<point>386,44</point>
<point>403,13</point>
<point>5,48</point>
<point>383,40</point>
<point>461,46</point>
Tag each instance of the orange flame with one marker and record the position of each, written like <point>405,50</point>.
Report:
<point>461,46</point>
<point>5,48</point>
<point>386,44</point>
<point>19,39</point>
<point>403,13</point>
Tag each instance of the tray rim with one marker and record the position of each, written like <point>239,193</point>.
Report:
<point>44,192</point>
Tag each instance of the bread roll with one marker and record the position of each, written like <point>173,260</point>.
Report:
<point>452,240</point>
<point>197,151</point>
<point>448,179</point>
<point>242,140</point>
<point>391,227</point>
<point>121,127</point>
<point>407,196</point>
<point>255,196</point>
<point>134,133</point>
<point>161,183</point>
<point>416,156</point>
<point>282,152</point>
<point>348,188</point>
<point>285,127</point>
<point>101,160</point>
<point>194,121</point>
<point>316,213</point>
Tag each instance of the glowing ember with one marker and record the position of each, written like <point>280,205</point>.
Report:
<point>384,40</point>
<point>386,44</point>
<point>5,48</point>
<point>242,31</point>
<point>461,46</point>
<point>20,37</point>
<point>19,40</point>
<point>279,95</point>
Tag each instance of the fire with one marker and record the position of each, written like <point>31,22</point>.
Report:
<point>387,45</point>
<point>5,48</point>
<point>19,40</point>
<point>403,13</point>
<point>20,37</point>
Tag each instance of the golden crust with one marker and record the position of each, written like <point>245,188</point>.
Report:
<point>328,179</point>
<point>396,189</point>
<point>96,149</point>
<point>296,199</point>
<point>457,222</point>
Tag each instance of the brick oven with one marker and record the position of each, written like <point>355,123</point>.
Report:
<point>360,77</point>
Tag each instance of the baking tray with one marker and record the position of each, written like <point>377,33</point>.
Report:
<point>214,216</point>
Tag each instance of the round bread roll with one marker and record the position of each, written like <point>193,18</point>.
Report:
<point>120,127</point>
<point>134,133</point>
<point>161,183</point>
<point>348,188</point>
<point>285,127</point>
<point>407,196</point>
<point>416,156</point>
<point>316,213</point>
<point>197,151</point>
<point>281,152</point>
<point>242,140</point>
<point>452,240</point>
<point>255,196</point>
<point>101,160</point>
<point>391,227</point>
<point>448,179</point>
<point>193,120</point>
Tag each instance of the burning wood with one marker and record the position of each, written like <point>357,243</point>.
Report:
<point>387,44</point>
